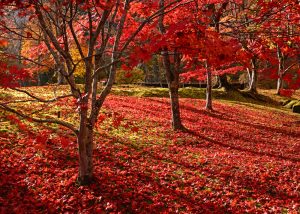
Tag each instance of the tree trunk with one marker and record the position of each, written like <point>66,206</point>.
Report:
<point>156,71</point>
<point>176,120</point>
<point>60,78</point>
<point>253,81</point>
<point>249,77</point>
<point>172,75</point>
<point>224,82</point>
<point>279,85</point>
<point>280,71</point>
<point>208,90</point>
<point>85,147</point>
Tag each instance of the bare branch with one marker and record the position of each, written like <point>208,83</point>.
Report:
<point>41,99</point>
<point>50,121</point>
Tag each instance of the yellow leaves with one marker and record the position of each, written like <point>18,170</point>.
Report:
<point>80,69</point>
<point>271,45</point>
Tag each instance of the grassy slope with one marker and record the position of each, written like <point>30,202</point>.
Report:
<point>265,98</point>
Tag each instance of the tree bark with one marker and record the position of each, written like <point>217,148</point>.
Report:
<point>60,78</point>
<point>249,75</point>
<point>253,81</point>
<point>172,76</point>
<point>176,120</point>
<point>280,71</point>
<point>279,85</point>
<point>85,149</point>
<point>208,105</point>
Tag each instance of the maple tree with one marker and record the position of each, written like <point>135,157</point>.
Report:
<point>206,51</point>
<point>172,73</point>
<point>100,26</point>
<point>284,40</point>
<point>264,28</point>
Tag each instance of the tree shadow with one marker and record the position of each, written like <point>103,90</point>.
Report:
<point>238,148</point>
<point>225,117</point>
<point>135,189</point>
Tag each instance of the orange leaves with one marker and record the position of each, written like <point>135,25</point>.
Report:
<point>3,43</point>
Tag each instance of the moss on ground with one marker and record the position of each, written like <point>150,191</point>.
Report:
<point>190,92</point>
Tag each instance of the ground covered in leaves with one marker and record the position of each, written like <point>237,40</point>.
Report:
<point>235,159</point>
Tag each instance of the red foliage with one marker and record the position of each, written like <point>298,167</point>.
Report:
<point>214,167</point>
<point>287,92</point>
<point>11,76</point>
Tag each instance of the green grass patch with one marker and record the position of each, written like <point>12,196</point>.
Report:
<point>198,93</point>
<point>292,103</point>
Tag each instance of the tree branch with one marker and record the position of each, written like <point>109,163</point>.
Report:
<point>50,121</point>
<point>41,99</point>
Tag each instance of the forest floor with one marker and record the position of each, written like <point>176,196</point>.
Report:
<point>243,157</point>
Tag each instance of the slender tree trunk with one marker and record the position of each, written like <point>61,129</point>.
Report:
<point>156,70</point>
<point>176,120</point>
<point>208,105</point>
<point>279,85</point>
<point>172,76</point>
<point>58,32</point>
<point>249,77</point>
<point>253,81</point>
<point>280,71</point>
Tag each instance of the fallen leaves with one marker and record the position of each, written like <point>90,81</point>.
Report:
<point>235,159</point>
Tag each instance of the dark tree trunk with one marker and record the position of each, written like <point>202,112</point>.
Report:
<point>224,82</point>
<point>85,147</point>
<point>209,90</point>
<point>172,76</point>
<point>176,120</point>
